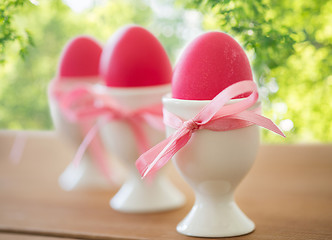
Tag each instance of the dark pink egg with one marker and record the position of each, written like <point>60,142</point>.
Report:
<point>211,63</point>
<point>133,57</point>
<point>80,58</point>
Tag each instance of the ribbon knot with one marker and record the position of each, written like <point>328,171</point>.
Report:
<point>217,115</point>
<point>191,125</point>
<point>87,103</point>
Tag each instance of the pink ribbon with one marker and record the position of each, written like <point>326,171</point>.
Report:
<point>84,104</point>
<point>215,116</point>
<point>92,142</point>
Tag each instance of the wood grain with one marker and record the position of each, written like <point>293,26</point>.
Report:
<point>16,236</point>
<point>288,194</point>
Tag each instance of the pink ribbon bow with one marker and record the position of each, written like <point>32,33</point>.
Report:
<point>215,116</point>
<point>92,142</point>
<point>84,103</point>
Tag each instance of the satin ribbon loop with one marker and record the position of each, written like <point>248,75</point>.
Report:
<point>87,103</point>
<point>217,105</point>
<point>217,115</point>
<point>83,103</point>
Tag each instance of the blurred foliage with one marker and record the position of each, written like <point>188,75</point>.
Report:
<point>9,32</point>
<point>290,46</point>
<point>23,85</point>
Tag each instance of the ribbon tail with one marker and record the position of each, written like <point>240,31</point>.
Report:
<point>93,143</point>
<point>159,155</point>
<point>99,155</point>
<point>86,142</point>
<point>145,162</point>
<point>141,137</point>
<point>260,121</point>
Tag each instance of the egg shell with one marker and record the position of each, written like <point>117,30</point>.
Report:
<point>133,57</point>
<point>210,63</point>
<point>80,58</point>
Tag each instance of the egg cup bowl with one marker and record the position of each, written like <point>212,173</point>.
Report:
<point>86,174</point>
<point>213,164</point>
<point>138,195</point>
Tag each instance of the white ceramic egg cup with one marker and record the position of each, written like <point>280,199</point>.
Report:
<point>138,195</point>
<point>213,163</point>
<point>86,174</point>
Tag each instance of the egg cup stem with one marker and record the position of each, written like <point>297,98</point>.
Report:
<point>148,195</point>
<point>215,217</point>
<point>85,175</point>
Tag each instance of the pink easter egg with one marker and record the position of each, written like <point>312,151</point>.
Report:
<point>80,58</point>
<point>133,57</point>
<point>209,64</point>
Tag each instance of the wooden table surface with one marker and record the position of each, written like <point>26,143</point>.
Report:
<point>288,194</point>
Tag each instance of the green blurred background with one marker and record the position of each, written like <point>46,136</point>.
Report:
<point>289,44</point>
